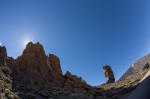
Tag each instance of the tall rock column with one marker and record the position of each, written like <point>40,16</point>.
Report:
<point>109,74</point>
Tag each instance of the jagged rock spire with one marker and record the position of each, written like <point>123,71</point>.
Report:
<point>109,74</point>
<point>35,67</point>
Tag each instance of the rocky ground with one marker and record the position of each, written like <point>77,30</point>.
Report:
<point>13,88</point>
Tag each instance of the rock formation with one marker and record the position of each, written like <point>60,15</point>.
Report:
<point>109,74</point>
<point>78,84</point>
<point>146,66</point>
<point>35,67</point>
<point>3,54</point>
<point>136,67</point>
<point>55,63</point>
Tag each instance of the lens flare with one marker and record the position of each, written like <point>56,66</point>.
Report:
<point>26,42</point>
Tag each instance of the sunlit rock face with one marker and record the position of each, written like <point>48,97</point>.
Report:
<point>136,67</point>
<point>109,74</point>
<point>35,67</point>
<point>32,65</point>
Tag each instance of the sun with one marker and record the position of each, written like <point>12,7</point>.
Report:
<point>0,43</point>
<point>26,42</point>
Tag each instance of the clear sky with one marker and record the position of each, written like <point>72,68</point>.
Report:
<point>84,34</point>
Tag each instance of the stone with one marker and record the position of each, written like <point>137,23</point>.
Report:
<point>35,67</point>
<point>3,54</point>
<point>75,83</point>
<point>32,64</point>
<point>109,74</point>
<point>55,63</point>
<point>136,67</point>
<point>146,66</point>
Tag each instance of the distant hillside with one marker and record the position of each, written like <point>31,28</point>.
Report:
<point>136,66</point>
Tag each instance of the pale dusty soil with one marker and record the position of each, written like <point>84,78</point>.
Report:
<point>142,90</point>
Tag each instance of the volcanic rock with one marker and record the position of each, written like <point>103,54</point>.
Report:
<point>32,66</point>
<point>35,67</point>
<point>3,54</point>
<point>109,74</point>
<point>55,63</point>
<point>75,83</point>
<point>136,67</point>
<point>146,66</point>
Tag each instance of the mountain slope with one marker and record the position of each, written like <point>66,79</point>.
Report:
<point>136,66</point>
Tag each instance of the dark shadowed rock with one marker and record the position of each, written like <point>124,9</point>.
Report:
<point>146,66</point>
<point>75,83</point>
<point>109,74</point>
<point>3,54</point>
<point>55,63</point>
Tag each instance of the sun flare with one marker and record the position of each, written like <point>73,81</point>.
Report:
<point>26,42</point>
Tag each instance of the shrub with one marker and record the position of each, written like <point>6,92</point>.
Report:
<point>6,71</point>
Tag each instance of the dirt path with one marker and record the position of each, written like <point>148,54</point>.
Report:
<point>146,75</point>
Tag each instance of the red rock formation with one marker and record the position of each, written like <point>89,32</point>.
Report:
<point>109,74</point>
<point>75,83</point>
<point>32,65</point>
<point>36,67</point>
<point>55,63</point>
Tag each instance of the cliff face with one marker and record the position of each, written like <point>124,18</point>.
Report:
<point>33,64</point>
<point>136,66</point>
<point>35,67</point>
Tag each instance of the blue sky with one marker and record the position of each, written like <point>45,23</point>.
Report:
<point>84,34</point>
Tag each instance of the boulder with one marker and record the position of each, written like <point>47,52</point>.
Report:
<point>146,66</point>
<point>109,74</point>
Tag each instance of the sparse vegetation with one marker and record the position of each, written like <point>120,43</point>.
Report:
<point>120,87</point>
<point>15,88</point>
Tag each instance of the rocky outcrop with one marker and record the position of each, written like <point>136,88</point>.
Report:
<point>3,54</point>
<point>55,63</point>
<point>109,74</point>
<point>136,67</point>
<point>76,82</point>
<point>35,67</point>
<point>32,66</point>
<point>146,66</point>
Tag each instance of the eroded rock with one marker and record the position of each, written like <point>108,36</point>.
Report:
<point>109,74</point>
<point>75,83</point>
<point>3,54</point>
<point>55,63</point>
<point>35,67</point>
<point>146,66</point>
